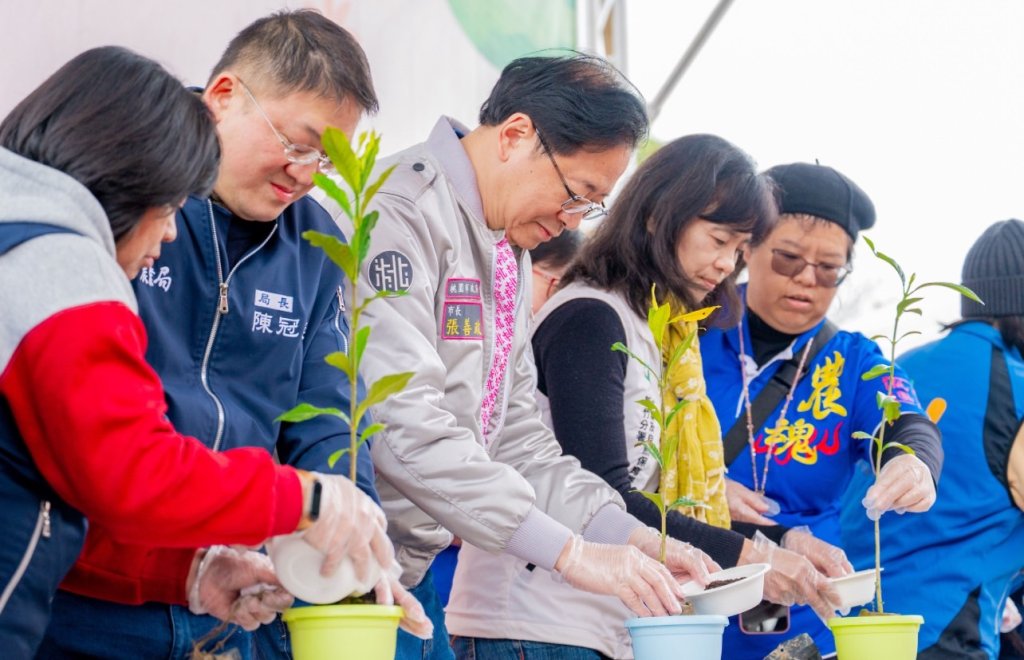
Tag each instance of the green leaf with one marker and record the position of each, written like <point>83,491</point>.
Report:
<point>675,409</point>
<point>336,250</point>
<point>339,150</point>
<point>861,435</point>
<point>913,310</point>
<point>687,502</point>
<point>653,450</point>
<point>654,410</point>
<point>375,186</point>
<point>359,345</point>
<point>336,456</point>
<point>905,303</point>
<point>369,222</point>
<point>657,321</point>
<point>305,411</point>
<point>891,409</point>
<point>682,347</point>
<point>620,347</point>
<point>876,371</point>
<point>654,497</point>
<point>368,159</point>
<point>959,288</point>
<point>908,333</point>
<point>339,360</point>
<point>898,445</point>
<point>334,191</point>
<point>370,431</point>
<point>384,387</point>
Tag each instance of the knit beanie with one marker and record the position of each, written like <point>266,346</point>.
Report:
<point>994,269</point>
<point>823,192</point>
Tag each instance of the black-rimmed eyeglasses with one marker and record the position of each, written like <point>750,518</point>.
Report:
<point>576,204</point>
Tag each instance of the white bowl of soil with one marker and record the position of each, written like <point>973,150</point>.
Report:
<point>728,592</point>
<point>855,589</point>
<point>297,564</point>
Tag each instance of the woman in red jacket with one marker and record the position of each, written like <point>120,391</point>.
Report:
<point>93,165</point>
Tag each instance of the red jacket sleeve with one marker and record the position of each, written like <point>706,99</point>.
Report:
<point>92,414</point>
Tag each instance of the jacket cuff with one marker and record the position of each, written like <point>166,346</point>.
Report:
<point>289,501</point>
<point>611,525</point>
<point>539,540</point>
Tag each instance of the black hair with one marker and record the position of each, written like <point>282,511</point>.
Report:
<point>559,251</point>
<point>302,51</point>
<point>697,176</point>
<point>123,127</point>
<point>577,101</point>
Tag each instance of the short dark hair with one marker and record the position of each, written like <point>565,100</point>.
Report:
<point>302,51</point>
<point>697,176</point>
<point>578,102</point>
<point>123,127</point>
<point>560,250</point>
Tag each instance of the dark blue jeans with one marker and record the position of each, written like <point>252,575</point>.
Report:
<point>413,648</point>
<point>96,628</point>
<point>476,648</point>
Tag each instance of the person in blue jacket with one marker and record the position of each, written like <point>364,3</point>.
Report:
<point>240,309</point>
<point>957,563</point>
<point>800,459</point>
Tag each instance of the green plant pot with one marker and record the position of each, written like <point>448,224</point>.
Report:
<point>876,637</point>
<point>368,632</point>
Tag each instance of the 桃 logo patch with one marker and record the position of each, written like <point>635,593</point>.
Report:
<point>390,271</point>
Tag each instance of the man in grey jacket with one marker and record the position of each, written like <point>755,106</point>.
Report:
<point>465,451</point>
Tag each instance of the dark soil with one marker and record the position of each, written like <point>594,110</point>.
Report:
<point>720,583</point>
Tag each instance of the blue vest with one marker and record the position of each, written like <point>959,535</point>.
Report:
<point>42,535</point>
<point>956,563</point>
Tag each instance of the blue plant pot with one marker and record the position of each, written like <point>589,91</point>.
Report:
<point>658,637</point>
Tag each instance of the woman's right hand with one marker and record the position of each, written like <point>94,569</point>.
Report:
<point>349,524</point>
<point>747,506</point>
<point>792,580</point>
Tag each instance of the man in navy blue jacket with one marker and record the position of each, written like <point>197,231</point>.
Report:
<point>240,310</point>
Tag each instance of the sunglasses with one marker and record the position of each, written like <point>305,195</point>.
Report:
<point>788,264</point>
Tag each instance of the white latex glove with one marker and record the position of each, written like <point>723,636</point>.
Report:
<point>234,585</point>
<point>747,506</point>
<point>389,591</point>
<point>826,557</point>
<point>904,484</point>
<point>683,561</point>
<point>792,580</point>
<point>644,585</point>
<point>1011,617</point>
<point>350,523</point>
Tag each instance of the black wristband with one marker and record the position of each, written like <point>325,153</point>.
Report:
<point>314,501</point>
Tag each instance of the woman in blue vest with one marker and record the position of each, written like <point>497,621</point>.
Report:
<point>800,457</point>
<point>956,564</point>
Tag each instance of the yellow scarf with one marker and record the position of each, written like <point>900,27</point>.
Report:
<point>699,469</point>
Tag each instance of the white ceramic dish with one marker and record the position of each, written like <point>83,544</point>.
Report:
<point>855,589</point>
<point>298,568</point>
<point>729,599</point>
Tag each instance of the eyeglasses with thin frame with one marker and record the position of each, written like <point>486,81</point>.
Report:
<point>788,264</point>
<point>300,154</point>
<point>576,204</point>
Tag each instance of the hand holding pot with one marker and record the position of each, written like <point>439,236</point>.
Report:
<point>826,557</point>
<point>235,585</point>
<point>389,591</point>
<point>684,561</point>
<point>792,580</point>
<point>349,524</point>
<point>644,585</point>
<point>747,506</point>
<point>904,484</point>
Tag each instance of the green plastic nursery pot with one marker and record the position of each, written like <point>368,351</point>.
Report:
<point>892,637</point>
<point>367,632</point>
<point>696,636</point>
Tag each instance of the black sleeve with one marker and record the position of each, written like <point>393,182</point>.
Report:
<point>920,434</point>
<point>773,532</point>
<point>584,382</point>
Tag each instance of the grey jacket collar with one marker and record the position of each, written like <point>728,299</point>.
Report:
<point>444,144</point>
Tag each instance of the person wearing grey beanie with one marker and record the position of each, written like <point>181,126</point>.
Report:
<point>966,549</point>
